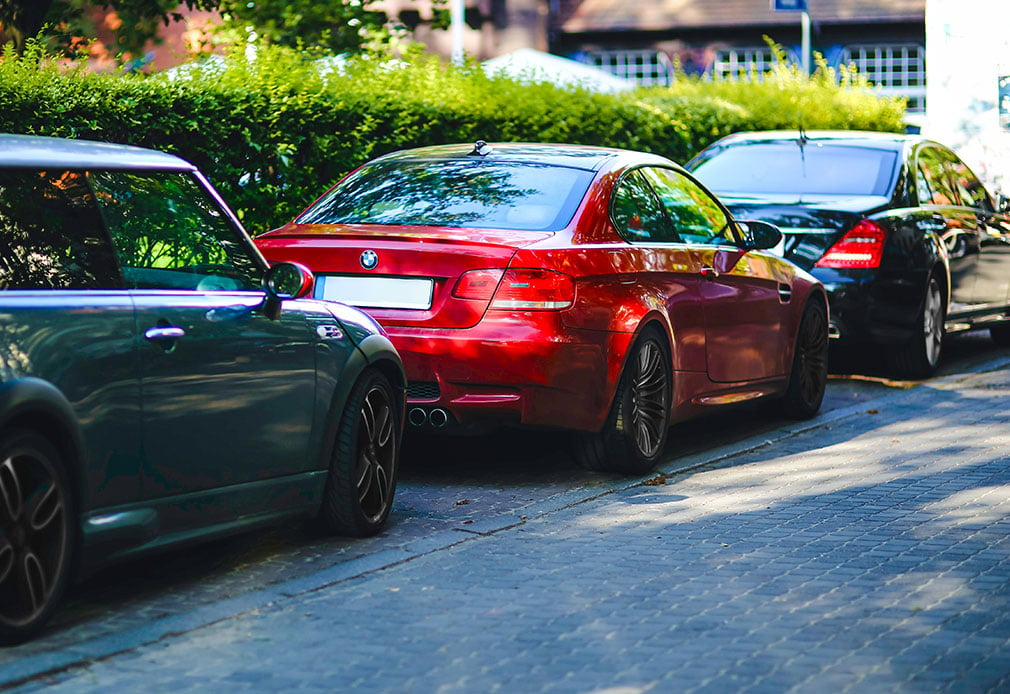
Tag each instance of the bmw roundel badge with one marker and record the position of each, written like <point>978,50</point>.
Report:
<point>369,259</point>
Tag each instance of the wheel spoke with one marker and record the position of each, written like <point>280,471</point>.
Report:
<point>35,581</point>
<point>368,418</point>
<point>10,489</point>
<point>6,559</point>
<point>46,508</point>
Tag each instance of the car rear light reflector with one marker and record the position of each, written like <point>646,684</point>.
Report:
<point>534,290</point>
<point>477,284</point>
<point>861,247</point>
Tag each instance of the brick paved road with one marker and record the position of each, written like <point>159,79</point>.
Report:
<point>867,554</point>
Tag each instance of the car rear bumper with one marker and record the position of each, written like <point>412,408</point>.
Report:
<point>871,310</point>
<point>520,368</point>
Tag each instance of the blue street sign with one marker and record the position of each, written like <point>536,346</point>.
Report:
<point>789,5</point>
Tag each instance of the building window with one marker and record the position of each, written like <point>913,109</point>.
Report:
<point>898,70</point>
<point>731,63</point>
<point>645,67</point>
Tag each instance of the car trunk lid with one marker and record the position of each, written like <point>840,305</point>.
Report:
<point>402,276</point>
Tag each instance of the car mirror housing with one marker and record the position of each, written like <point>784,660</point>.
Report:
<point>760,235</point>
<point>285,281</point>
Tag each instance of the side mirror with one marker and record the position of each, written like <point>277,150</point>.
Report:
<point>285,281</point>
<point>760,236</point>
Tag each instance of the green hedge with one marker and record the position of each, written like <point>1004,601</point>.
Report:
<point>274,132</point>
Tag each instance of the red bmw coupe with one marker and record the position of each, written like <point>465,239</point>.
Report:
<point>598,290</point>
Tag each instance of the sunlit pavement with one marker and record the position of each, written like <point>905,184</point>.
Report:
<point>865,551</point>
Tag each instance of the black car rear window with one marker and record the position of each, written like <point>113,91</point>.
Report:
<point>813,168</point>
<point>471,193</point>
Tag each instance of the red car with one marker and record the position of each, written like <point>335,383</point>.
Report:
<point>598,290</point>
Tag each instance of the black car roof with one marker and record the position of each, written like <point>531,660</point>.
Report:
<point>24,151</point>
<point>861,138</point>
<point>572,156</point>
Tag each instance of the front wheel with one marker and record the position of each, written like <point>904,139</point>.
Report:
<point>362,480</point>
<point>36,534</point>
<point>919,357</point>
<point>809,375</point>
<point>634,435</point>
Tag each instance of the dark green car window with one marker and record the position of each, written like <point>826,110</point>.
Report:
<point>170,233</point>
<point>637,213</point>
<point>696,217</point>
<point>51,234</point>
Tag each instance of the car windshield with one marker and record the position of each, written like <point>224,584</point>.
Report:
<point>814,168</point>
<point>472,193</point>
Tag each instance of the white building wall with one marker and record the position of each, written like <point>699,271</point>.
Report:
<point>967,50</point>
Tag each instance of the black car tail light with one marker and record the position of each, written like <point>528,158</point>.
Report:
<point>861,247</point>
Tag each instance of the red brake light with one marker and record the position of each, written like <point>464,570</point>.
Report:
<point>861,247</point>
<point>534,290</point>
<point>477,284</point>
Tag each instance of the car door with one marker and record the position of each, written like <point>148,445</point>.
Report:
<point>956,224</point>
<point>992,274</point>
<point>744,296</point>
<point>228,394</point>
<point>66,320</point>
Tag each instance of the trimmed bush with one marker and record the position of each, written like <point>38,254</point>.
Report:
<point>273,133</point>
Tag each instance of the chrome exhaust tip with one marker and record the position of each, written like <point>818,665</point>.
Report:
<point>417,417</point>
<point>438,418</point>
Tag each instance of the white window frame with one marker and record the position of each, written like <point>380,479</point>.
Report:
<point>897,69</point>
<point>646,67</point>
<point>730,62</point>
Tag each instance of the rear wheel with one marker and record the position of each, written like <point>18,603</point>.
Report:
<point>634,435</point>
<point>362,480</point>
<point>919,357</point>
<point>36,534</point>
<point>809,375</point>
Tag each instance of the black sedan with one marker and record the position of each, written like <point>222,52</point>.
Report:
<point>905,238</point>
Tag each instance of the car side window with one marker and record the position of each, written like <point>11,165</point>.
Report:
<point>636,212</point>
<point>969,189</point>
<point>932,185</point>
<point>51,233</point>
<point>169,233</point>
<point>696,216</point>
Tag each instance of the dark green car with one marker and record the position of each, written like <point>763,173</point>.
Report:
<point>159,383</point>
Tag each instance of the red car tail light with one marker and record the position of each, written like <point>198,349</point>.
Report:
<point>861,247</point>
<point>477,284</point>
<point>534,290</point>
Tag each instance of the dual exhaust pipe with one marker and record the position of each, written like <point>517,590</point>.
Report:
<point>419,417</point>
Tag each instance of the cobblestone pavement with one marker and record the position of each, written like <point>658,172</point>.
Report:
<point>869,552</point>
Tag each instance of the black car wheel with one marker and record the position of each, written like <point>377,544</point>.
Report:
<point>634,435</point>
<point>36,538</point>
<point>919,357</point>
<point>362,480</point>
<point>809,375</point>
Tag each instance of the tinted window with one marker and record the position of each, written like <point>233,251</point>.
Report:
<point>932,185</point>
<point>789,168</point>
<point>472,193</point>
<point>51,234</point>
<point>171,234</point>
<point>969,189</point>
<point>696,217</point>
<point>637,213</point>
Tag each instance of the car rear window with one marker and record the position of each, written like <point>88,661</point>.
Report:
<point>473,193</point>
<point>791,168</point>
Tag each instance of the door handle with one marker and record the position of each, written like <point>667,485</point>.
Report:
<point>164,332</point>
<point>707,271</point>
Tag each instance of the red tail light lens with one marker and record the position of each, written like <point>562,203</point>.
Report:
<point>477,284</point>
<point>861,247</point>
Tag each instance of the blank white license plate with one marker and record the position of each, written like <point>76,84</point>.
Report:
<point>376,292</point>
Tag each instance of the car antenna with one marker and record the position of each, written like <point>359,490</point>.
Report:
<point>480,149</point>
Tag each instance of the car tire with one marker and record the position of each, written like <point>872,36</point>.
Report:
<point>362,477</point>
<point>1000,334</point>
<point>808,377</point>
<point>37,538</point>
<point>634,434</point>
<point>920,355</point>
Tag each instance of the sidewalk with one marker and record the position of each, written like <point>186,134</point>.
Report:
<point>868,554</point>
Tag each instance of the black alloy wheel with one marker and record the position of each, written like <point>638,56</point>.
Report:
<point>634,435</point>
<point>808,378</point>
<point>362,480</point>
<point>36,539</point>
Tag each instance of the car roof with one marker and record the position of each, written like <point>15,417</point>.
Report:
<point>573,156</point>
<point>861,138</point>
<point>35,151</point>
